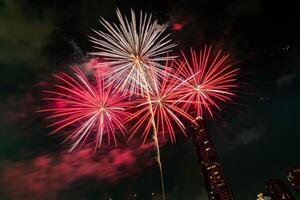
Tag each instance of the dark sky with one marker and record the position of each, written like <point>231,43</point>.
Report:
<point>256,137</point>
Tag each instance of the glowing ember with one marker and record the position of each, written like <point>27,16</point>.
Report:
<point>177,26</point>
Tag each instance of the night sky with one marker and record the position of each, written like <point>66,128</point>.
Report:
<point>256,136</point>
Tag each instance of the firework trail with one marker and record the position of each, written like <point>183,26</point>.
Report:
<point>207,79</point>
<point>86,108</point>
<point>135,50</point>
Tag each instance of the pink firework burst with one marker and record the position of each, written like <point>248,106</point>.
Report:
<point>85,109</point>
<point>208,78</point>
<point>165,110</point>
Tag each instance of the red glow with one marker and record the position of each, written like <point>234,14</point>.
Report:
<point>207,79</point>
<point>42,162</point>
<point>45,176</point>
<point>86,108</point>
<point>59,104</point>
<point>96,63</point>
<point>177,26</point>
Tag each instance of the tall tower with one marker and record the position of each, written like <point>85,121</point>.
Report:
<point>293,175</point>
<point>278,190</point>
<point>215,182</point>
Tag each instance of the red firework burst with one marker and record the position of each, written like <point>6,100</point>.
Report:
<point>163,102</point>
<point>88,110</point>
<point>207,79</point>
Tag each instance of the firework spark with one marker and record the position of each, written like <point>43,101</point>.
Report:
<point>167,112</point>
<point>134,50</point>
<point>207,79</point>
<point>89,109</point>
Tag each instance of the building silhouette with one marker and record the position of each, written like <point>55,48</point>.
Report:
<point>278,190</point>
<point>215,182</point>
<point>293,175</point>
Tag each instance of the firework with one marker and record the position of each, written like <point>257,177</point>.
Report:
<point>91,110</point>
<point>166,111</point>
<point>134,51</point>
<point>207,79</point>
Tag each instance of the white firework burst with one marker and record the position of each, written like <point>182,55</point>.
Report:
<point>134,51</point>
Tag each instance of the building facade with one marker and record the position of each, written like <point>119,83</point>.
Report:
<point>293,175</point>
<point>215,182</point>
<point>278,190</point>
